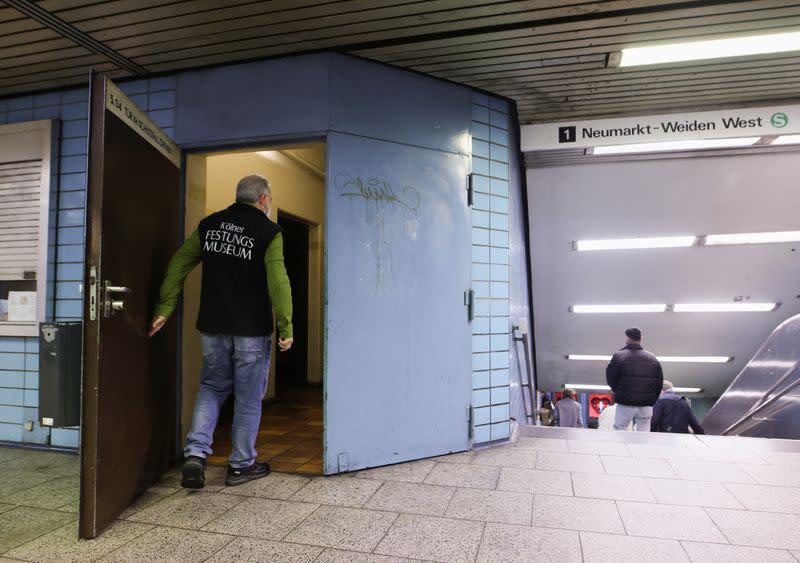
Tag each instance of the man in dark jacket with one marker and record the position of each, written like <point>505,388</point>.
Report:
<point>244,278</point>
<point>635,377</point>
<point>672,413</point>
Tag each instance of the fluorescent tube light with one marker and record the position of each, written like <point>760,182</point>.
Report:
<point>786,140</point>
<point>591,387</point>
<point>753,238</point>
<point>744,307</point>
<point>664,359</point>
<point>629,308</point>
<point>711,49</point>
<point>634,243</point>
<point>687,145</point>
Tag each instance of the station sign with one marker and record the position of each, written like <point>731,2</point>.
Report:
<point>723,124</point>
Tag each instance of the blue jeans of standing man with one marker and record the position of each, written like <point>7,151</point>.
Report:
<point>640,416</point>
<point>238,364</point>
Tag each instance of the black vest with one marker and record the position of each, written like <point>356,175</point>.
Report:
<point>234,296</point>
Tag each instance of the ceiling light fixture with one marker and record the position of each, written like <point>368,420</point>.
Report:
<point>591,387</point>
<point>786,140</point>
<point>634,243</point>
<point>753,238</point>
<point>664,359</point>
<point>628,308</point>
<point>711,49</point>
<point>743,307</point>
<point>687,145</point>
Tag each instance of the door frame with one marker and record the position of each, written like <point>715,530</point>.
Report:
<point>210,148</point>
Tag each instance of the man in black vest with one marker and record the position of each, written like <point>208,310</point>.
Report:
<point>244,277</point>
<point>635,377</point>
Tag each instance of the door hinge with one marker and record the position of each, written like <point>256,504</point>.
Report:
<point>469,301</point>
<point>471,421</point>
<point>470,189</point>
<point>93,293</point>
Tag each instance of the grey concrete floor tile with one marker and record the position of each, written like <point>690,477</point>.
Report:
<point>186,509</point>
<point>721,553</point>
<point>148,498</point>
<point>339,556</point>
<point>242,550</point>
<point>280,486</point>
<point>543,444</point>
<point>432,539</point>
<point>571,513</point>
<point>63,544</point>
<point>612,487</point>
<point>24,524</point>
<point>511,544</point>
<point>169,545</point>
<point>637,467</point>
<point>50,495</point>
<point>692,493</point>
<point>9,453</point>
<point>600,448</point>
<point>459,475</point>
<point>611,548</point>
<point>758,529</point>
<point>261,518</point>
<point>337,491</point>
<point>506,456</point>
<point>535,481</point>
<point>39,461</point>
<point>710,471</point>
<point>780,476</point>
<point>576,463</point>
<point>783,459</point>
<point>460,457</point>
<point>655,451</point>
<point>415,498</point>
<point>15,480</point>
<point>343,528</point>
<point>409,472</point>
<point>669,522</point>
<point>728,455</point>
<point>491,506</point>
<point>767,498</point>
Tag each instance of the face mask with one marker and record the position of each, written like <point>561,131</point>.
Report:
<point>267,211</point>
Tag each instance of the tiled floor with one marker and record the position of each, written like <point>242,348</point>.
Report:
<point>637,498</point>
<point>290,438</point>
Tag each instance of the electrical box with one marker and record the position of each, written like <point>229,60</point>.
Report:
<point>60,349</point>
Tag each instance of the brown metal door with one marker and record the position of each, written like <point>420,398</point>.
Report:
<point>130,383</point>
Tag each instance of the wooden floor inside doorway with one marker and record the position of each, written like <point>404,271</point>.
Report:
<point>290,438</point>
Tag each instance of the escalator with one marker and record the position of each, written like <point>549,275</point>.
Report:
<point>764,399</point>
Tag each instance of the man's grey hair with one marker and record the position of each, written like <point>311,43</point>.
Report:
<point>667,385</point>
<point>252,187</point>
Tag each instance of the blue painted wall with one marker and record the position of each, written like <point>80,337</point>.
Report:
<point>303,97</point>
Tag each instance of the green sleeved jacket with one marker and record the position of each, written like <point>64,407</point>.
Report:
<point>191,253</point>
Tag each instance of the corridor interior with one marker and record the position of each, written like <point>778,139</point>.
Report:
<point>290,438</point>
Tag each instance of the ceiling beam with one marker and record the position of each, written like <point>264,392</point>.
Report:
<point>35,12</point>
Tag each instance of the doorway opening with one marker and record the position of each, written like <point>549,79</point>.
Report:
<point>291,433</point>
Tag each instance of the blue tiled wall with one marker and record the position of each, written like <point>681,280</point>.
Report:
<point>19,357</point>
<point>490,267</point>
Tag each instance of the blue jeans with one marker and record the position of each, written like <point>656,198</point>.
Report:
<point>238,364</point>
<point>640,416</point>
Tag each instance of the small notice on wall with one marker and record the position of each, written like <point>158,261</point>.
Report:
<point>22,306</point>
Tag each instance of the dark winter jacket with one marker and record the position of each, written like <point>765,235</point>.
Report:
<point>635,376</point>
<point>672,413</point>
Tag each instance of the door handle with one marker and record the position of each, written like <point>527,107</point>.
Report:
<point>110,305</point>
